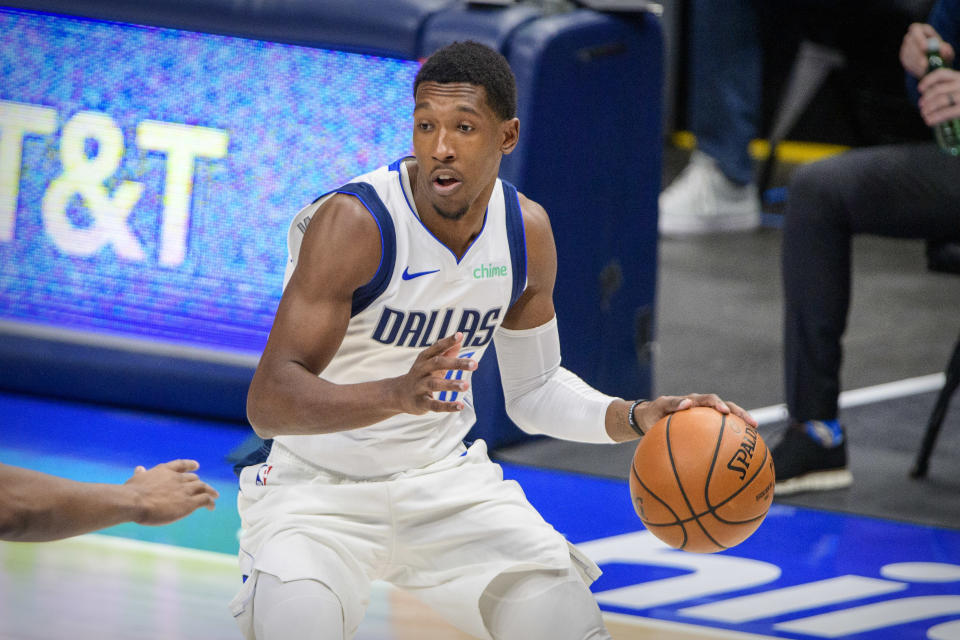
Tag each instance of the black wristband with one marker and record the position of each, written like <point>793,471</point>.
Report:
<point>633,421</point>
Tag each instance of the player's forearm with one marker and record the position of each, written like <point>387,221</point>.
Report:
<point>292,402</point>
<point>36,507</point>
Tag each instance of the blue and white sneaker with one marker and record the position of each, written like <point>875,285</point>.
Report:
<point>812,456</point>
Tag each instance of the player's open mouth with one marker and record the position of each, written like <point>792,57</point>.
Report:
<point>445,183</point>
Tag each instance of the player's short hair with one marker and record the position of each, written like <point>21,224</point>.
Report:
<point>475,64</point>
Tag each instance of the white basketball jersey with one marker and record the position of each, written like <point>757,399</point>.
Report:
<point>420,293</point>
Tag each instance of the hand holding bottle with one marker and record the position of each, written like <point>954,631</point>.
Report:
<point>913,50</point>
<point>940,98</point>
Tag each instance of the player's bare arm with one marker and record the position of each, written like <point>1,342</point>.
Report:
<point>535,305</point>
<point>38,507</point>
<point>288,395</point>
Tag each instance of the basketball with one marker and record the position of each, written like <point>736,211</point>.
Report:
<point>701,480</point>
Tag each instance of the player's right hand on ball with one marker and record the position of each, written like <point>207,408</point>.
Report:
<point>428,376</point>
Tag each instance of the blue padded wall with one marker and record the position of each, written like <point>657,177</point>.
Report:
<point>493,26</point>
<point>590,153</point>
<point>377,27</point>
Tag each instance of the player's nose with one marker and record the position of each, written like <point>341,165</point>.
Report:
<point>443,146</point>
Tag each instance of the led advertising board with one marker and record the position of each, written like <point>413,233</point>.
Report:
<point>148,175</point>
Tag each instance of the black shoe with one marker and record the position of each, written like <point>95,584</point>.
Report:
<point>803,464</point>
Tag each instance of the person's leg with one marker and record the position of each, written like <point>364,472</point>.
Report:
<point>725,83</point>
<point>461,526</point>
<point>903,191</point>
<point>310,545</point>
<point>715,192</point>
<point>541,605</point>
<point>296,610</point>
<point>815,260</point>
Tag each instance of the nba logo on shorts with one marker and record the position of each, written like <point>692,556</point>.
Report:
<point>262,474</point>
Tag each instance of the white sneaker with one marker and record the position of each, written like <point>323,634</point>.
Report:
<point>703,200</point>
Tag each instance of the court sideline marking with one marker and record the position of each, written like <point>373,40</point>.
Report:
<point>859,397</point>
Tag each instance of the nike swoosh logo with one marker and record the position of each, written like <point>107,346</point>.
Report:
<point>410,276</point>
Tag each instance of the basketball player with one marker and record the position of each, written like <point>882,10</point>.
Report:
<point>38,507</point>
<point>397,283</point>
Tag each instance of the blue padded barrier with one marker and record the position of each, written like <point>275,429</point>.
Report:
<point>374,27</point>
<point>489,25</point>
<point>590,153</point>
<point>91,373</point>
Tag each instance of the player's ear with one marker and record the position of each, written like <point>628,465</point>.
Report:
<point>510,134</point>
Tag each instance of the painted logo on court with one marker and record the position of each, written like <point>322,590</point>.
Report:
<point>804,574</point>
<point>909,589</point>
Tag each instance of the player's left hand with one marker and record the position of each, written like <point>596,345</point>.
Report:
<point>649,413</point>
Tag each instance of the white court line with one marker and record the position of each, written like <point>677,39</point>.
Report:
<point>866,395</point>
<point>667,629</point>
<point>157,549</point>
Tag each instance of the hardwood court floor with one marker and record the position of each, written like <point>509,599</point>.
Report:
<point>112,588</point>
<point>805,573</point>
<point>108,588</point>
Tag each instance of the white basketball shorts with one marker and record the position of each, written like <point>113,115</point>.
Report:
<point>441,532</point>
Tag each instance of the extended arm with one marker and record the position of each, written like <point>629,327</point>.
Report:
<point>37,507</point>
<point>288,394</point>
<point>542,396</point>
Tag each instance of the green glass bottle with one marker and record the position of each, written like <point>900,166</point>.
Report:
<point>947,134</point>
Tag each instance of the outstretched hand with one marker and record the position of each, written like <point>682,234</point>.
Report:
<point>649,413</point>
<point>170,491</point>
<point>428,375</point>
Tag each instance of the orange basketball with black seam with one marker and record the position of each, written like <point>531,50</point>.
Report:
<point>702,480</point>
